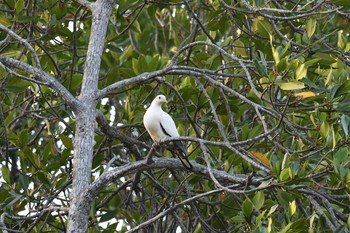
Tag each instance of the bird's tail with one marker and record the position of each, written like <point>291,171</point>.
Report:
<point>180,152</point>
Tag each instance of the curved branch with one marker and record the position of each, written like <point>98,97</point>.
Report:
<point>141,78</point>
<point>113,132</point>
<point>43,78</point>
<point>24,42</point>
<point>109,176</point>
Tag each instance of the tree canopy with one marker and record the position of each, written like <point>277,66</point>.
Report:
<point>259,91</point>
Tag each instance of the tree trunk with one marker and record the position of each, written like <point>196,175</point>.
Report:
<point>85,118</point>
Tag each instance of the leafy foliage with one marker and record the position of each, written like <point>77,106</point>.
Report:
<point>260,88</point>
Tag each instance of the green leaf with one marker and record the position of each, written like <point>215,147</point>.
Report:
<point>262,26</point>
<point>297,226</point>
<point>262,69</point>
<point>247,209</point>
<point>43,178</point>
<point>237,219</point>
<point>135,66</point>
<point>10,201</point>
<point>110,214</point>
<point>343,3</point>
<point>282,64</point>
<point>19,6</point>
<point>309,83</point>
<point>345,123</point>
<point>260,216</point>
<point>127,53</point>
<point>12,53</point>
<point>343,106</point>
<point>310,27</point>
<point>324,129</point>
<point>23,137</point>
<point>67,142</point>
<point>285,174</point>
<point>286,48</point>
<point>6,174</point>
<point>226,41</point>
<point>272,209</point>
<point>341,154</point>
<point>259,199</point>
<point>136,26</point>
<point>24,180</point>
<point>5,21</point>
<point>338,162</point>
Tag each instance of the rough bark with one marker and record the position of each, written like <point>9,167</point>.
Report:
<point>85,118</point>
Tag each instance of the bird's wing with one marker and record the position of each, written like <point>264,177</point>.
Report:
<point>168,125</point>
<point>180,152</point>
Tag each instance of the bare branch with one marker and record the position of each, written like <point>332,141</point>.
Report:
<point>142,78</point>
<point>21,76</point>
<point>40,213</point>
<point>321,212</point>
<point>44,78</point>
<point>168,163</point>
<point>24,42</point>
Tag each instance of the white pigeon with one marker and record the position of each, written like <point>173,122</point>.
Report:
<point>160,126</point>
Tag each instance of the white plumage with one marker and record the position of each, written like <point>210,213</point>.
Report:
<point>160,126</point>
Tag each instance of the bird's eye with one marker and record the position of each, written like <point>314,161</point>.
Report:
<point>159,97</point>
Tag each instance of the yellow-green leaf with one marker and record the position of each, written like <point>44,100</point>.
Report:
<point>311,223</point>
<point>292,86</point>
<point>334,141</point>
<point>292,207</point>
<point>310,27</point>
<point>19,6</point>
<point>276,55</point>
<point>329,76</point>
<point>301,72</point>
<point>5,21</point>
<point>262,26</point>
<point>324,129</point>
<point>269,225</point>
<point>272,209</point>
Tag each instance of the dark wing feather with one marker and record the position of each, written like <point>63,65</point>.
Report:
<point>179,151</point>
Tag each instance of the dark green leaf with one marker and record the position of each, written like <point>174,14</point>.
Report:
<point>67,142</point>
<point>247,209</point>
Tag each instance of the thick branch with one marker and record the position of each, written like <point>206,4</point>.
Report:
<point>85,121</point>
<point>169,163</point>
<point>113,132</point>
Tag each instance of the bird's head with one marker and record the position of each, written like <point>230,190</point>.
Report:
<point>159,100</point>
